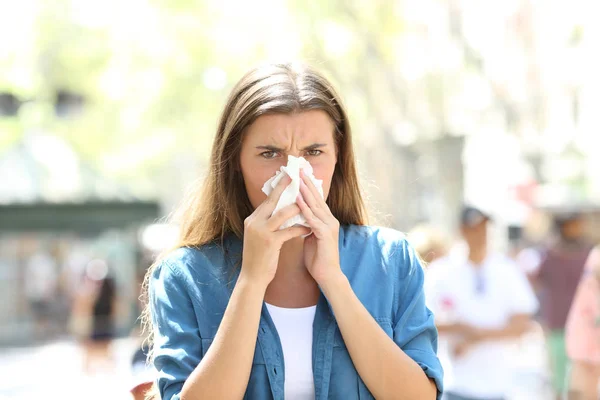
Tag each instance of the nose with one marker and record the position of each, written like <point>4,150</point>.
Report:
<point>283,160</point>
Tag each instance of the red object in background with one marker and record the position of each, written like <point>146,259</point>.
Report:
<point>525,192</point>
<point>447,303</point>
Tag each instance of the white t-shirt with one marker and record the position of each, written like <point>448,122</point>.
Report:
<point>486,296</point>
<point>295,330</point>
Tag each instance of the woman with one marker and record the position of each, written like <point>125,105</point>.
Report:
<point>95,303</point>
<point>583,333</point>
<point>243,309</point>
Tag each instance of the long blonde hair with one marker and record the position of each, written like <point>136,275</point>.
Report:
<point>221,205</point>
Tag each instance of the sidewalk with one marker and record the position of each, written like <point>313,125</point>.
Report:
<point>54,371</point>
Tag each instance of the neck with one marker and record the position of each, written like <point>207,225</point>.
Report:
<point>477,254</point>
<point>293,286</point>
<point>291,258</point>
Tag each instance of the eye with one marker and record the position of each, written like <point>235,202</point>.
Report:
<point>269,154</point>
<point>314,152</point>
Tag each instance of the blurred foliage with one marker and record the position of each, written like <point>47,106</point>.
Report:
<point>154,74</point>
<point>162,69</point>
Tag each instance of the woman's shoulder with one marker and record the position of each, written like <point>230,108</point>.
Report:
<point>374,235</point>
<point>206,263</point>
<point>384,245</point>
<point>386,239</point>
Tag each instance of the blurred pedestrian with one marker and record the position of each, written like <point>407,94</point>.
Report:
<point>481,302</point>
<point>96,305</point>
<point>41,284</point>
<point>583,333</point>
<point>556,280</point>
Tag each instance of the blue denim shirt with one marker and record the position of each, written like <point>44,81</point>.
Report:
<point>191,287</point>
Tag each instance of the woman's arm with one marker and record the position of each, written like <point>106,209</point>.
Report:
<point>381,363</point>
<point>183,371</point>
<point>391,368</point>
<point>224,371</point>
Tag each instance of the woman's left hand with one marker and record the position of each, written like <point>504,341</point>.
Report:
<point>321,253</point>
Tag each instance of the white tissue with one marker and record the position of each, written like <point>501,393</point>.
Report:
<point>289,195</point>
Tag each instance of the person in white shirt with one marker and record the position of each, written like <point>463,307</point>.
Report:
<point>481,302</point>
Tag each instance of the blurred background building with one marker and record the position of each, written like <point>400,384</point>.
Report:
<point>108,110</point>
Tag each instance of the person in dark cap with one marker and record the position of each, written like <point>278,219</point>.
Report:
<point>481,301</point>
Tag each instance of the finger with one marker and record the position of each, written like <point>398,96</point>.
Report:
<point>270,203</point>
<point>282,215</point>
<point>319,209</point>
<point>312,188</point>
<point>307,195</point>
<point>295,231</point>
<point>311,219</point>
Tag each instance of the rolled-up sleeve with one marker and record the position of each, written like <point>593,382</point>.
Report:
<point>414,329</point>
<point>177,341</point>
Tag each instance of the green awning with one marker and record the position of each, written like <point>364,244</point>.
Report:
<point>87,217</point>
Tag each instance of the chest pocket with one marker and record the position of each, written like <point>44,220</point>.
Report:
<point>345,381</point>
<point>258,384</point>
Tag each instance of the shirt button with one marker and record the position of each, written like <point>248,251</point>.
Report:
<point>275,371</point>
<point>262,329</point>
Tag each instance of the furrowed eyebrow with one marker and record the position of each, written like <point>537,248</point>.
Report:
<point>269,148</point>
<point>314,146</point>
<point>277,149</point>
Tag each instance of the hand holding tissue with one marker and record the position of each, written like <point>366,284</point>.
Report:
<point>289,195</point>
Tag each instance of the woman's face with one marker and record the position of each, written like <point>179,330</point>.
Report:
<point>271,138</point>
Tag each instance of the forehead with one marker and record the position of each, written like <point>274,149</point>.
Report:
<point>306,126</point>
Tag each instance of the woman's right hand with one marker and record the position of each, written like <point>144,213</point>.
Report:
<point>263,239</point>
